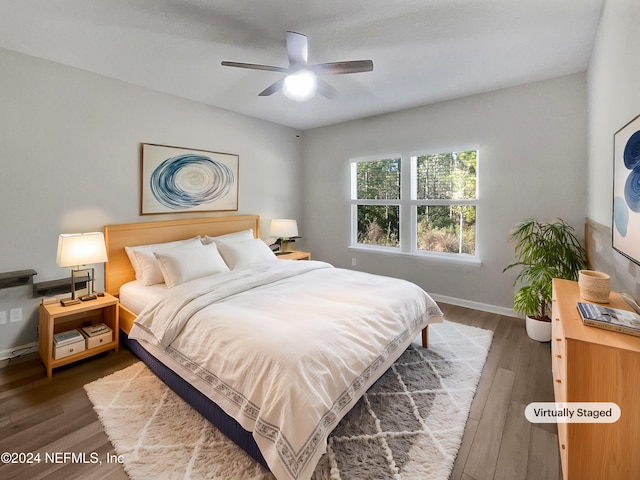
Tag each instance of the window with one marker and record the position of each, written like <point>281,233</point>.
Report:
<point>376,187</point>
<point>416,203</point>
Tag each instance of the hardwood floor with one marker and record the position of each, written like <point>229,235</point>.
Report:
<point>55,417</point>
<point>499,443</point>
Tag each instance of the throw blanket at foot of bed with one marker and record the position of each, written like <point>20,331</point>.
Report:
<point>287,348</point>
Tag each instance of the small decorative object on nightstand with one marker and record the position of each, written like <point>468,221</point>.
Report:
<point>55,319</point>
<point>295,255</point>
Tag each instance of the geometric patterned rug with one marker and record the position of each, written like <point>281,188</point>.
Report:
<point>407,426</point>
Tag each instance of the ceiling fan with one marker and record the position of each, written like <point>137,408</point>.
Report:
<point>301,81</point>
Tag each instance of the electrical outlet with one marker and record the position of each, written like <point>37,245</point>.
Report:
<point>3,317</point>
<point>353,262</point>
<point>15,315</point>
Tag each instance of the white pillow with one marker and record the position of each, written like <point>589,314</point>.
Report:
<point>229,237</point>
<point>149,269</point>
<point>246,253</point>
<point>151,247</point>
<point>180,265</point>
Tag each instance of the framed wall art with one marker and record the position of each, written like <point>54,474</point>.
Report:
<point>626,190</point>
<point>178,180</point>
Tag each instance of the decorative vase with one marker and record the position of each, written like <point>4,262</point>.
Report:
<point>538,330</point>
<point>594,286</point>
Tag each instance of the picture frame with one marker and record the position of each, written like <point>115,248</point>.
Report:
<point>181,180</point>
<point>626,191</point>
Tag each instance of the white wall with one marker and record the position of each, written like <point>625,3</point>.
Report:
<point>532,163</point>
<point>614,99</point>
<point>69,150</point>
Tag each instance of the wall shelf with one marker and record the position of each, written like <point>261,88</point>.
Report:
<point>52,288</point>
<point>17,278</point>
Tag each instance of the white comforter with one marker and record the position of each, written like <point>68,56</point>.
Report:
<point>288,348</point>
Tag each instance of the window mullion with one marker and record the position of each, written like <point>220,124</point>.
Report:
<point>407,228</point>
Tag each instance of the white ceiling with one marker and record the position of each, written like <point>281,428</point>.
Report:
<point>424,51</point>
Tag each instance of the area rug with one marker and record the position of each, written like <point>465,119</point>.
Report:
<point>409,424</point>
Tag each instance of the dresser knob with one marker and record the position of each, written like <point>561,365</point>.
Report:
<point>558,380</point>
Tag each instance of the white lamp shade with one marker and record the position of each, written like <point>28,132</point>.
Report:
<point>284,228</point>
<point>81,249</point>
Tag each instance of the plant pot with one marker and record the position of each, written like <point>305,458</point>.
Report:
<point>538,330</point>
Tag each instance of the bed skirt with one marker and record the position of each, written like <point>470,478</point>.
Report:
<point>208,409</point>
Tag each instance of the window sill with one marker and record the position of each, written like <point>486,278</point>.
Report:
<point>438,257</point>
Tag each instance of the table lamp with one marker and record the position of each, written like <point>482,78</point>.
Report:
<point>76,251</point>
<point>286,231</point>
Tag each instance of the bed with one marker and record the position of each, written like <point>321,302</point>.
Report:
<point>272,352</point>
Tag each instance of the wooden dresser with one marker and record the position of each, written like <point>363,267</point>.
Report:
<point>595,365</point>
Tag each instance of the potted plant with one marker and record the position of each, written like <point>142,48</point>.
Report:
<point>544,251</point>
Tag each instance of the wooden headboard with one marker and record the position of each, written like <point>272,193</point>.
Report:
<point>118,269</point>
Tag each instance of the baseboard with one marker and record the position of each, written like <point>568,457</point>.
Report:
<point>483,307</point>
<point>18,351</point>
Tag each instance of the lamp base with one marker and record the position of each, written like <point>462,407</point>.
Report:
<point>285,246</point>
<point>82,275</point>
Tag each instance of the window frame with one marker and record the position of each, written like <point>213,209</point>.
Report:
<point>408,207</point>
<point>355,202</point>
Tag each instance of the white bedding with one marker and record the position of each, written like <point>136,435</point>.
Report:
<point>135,295</point>
<point>287,348</point>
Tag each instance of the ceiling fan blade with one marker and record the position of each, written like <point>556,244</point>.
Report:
<point>326,90</point>
<point>273,88</point>
<point>353,66</point>
<point>297,48</point>
<point>255,66</point>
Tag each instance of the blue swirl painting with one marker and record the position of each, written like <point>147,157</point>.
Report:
<point>626,191</point>
<point>180,180</point>
<point>190,180</point>
<point>620,216</point>
<point>632,190</point>
<point>632,151</point>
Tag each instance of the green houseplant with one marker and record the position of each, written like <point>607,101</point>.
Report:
<point>543,251</point>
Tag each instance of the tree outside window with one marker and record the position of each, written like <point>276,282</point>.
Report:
<point>446,186</point>
<point>378,189</point>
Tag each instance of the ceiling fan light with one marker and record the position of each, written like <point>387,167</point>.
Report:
<point>300,86</point>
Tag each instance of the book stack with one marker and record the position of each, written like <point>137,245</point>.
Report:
<point>94,330</point>
<point>614,319</point>
<point>65,338</point>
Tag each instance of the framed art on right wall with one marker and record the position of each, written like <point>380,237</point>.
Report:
<point>626,190</point>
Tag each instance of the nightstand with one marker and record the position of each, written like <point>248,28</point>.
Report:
<point>54,318</point>
<point>295,255</point>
